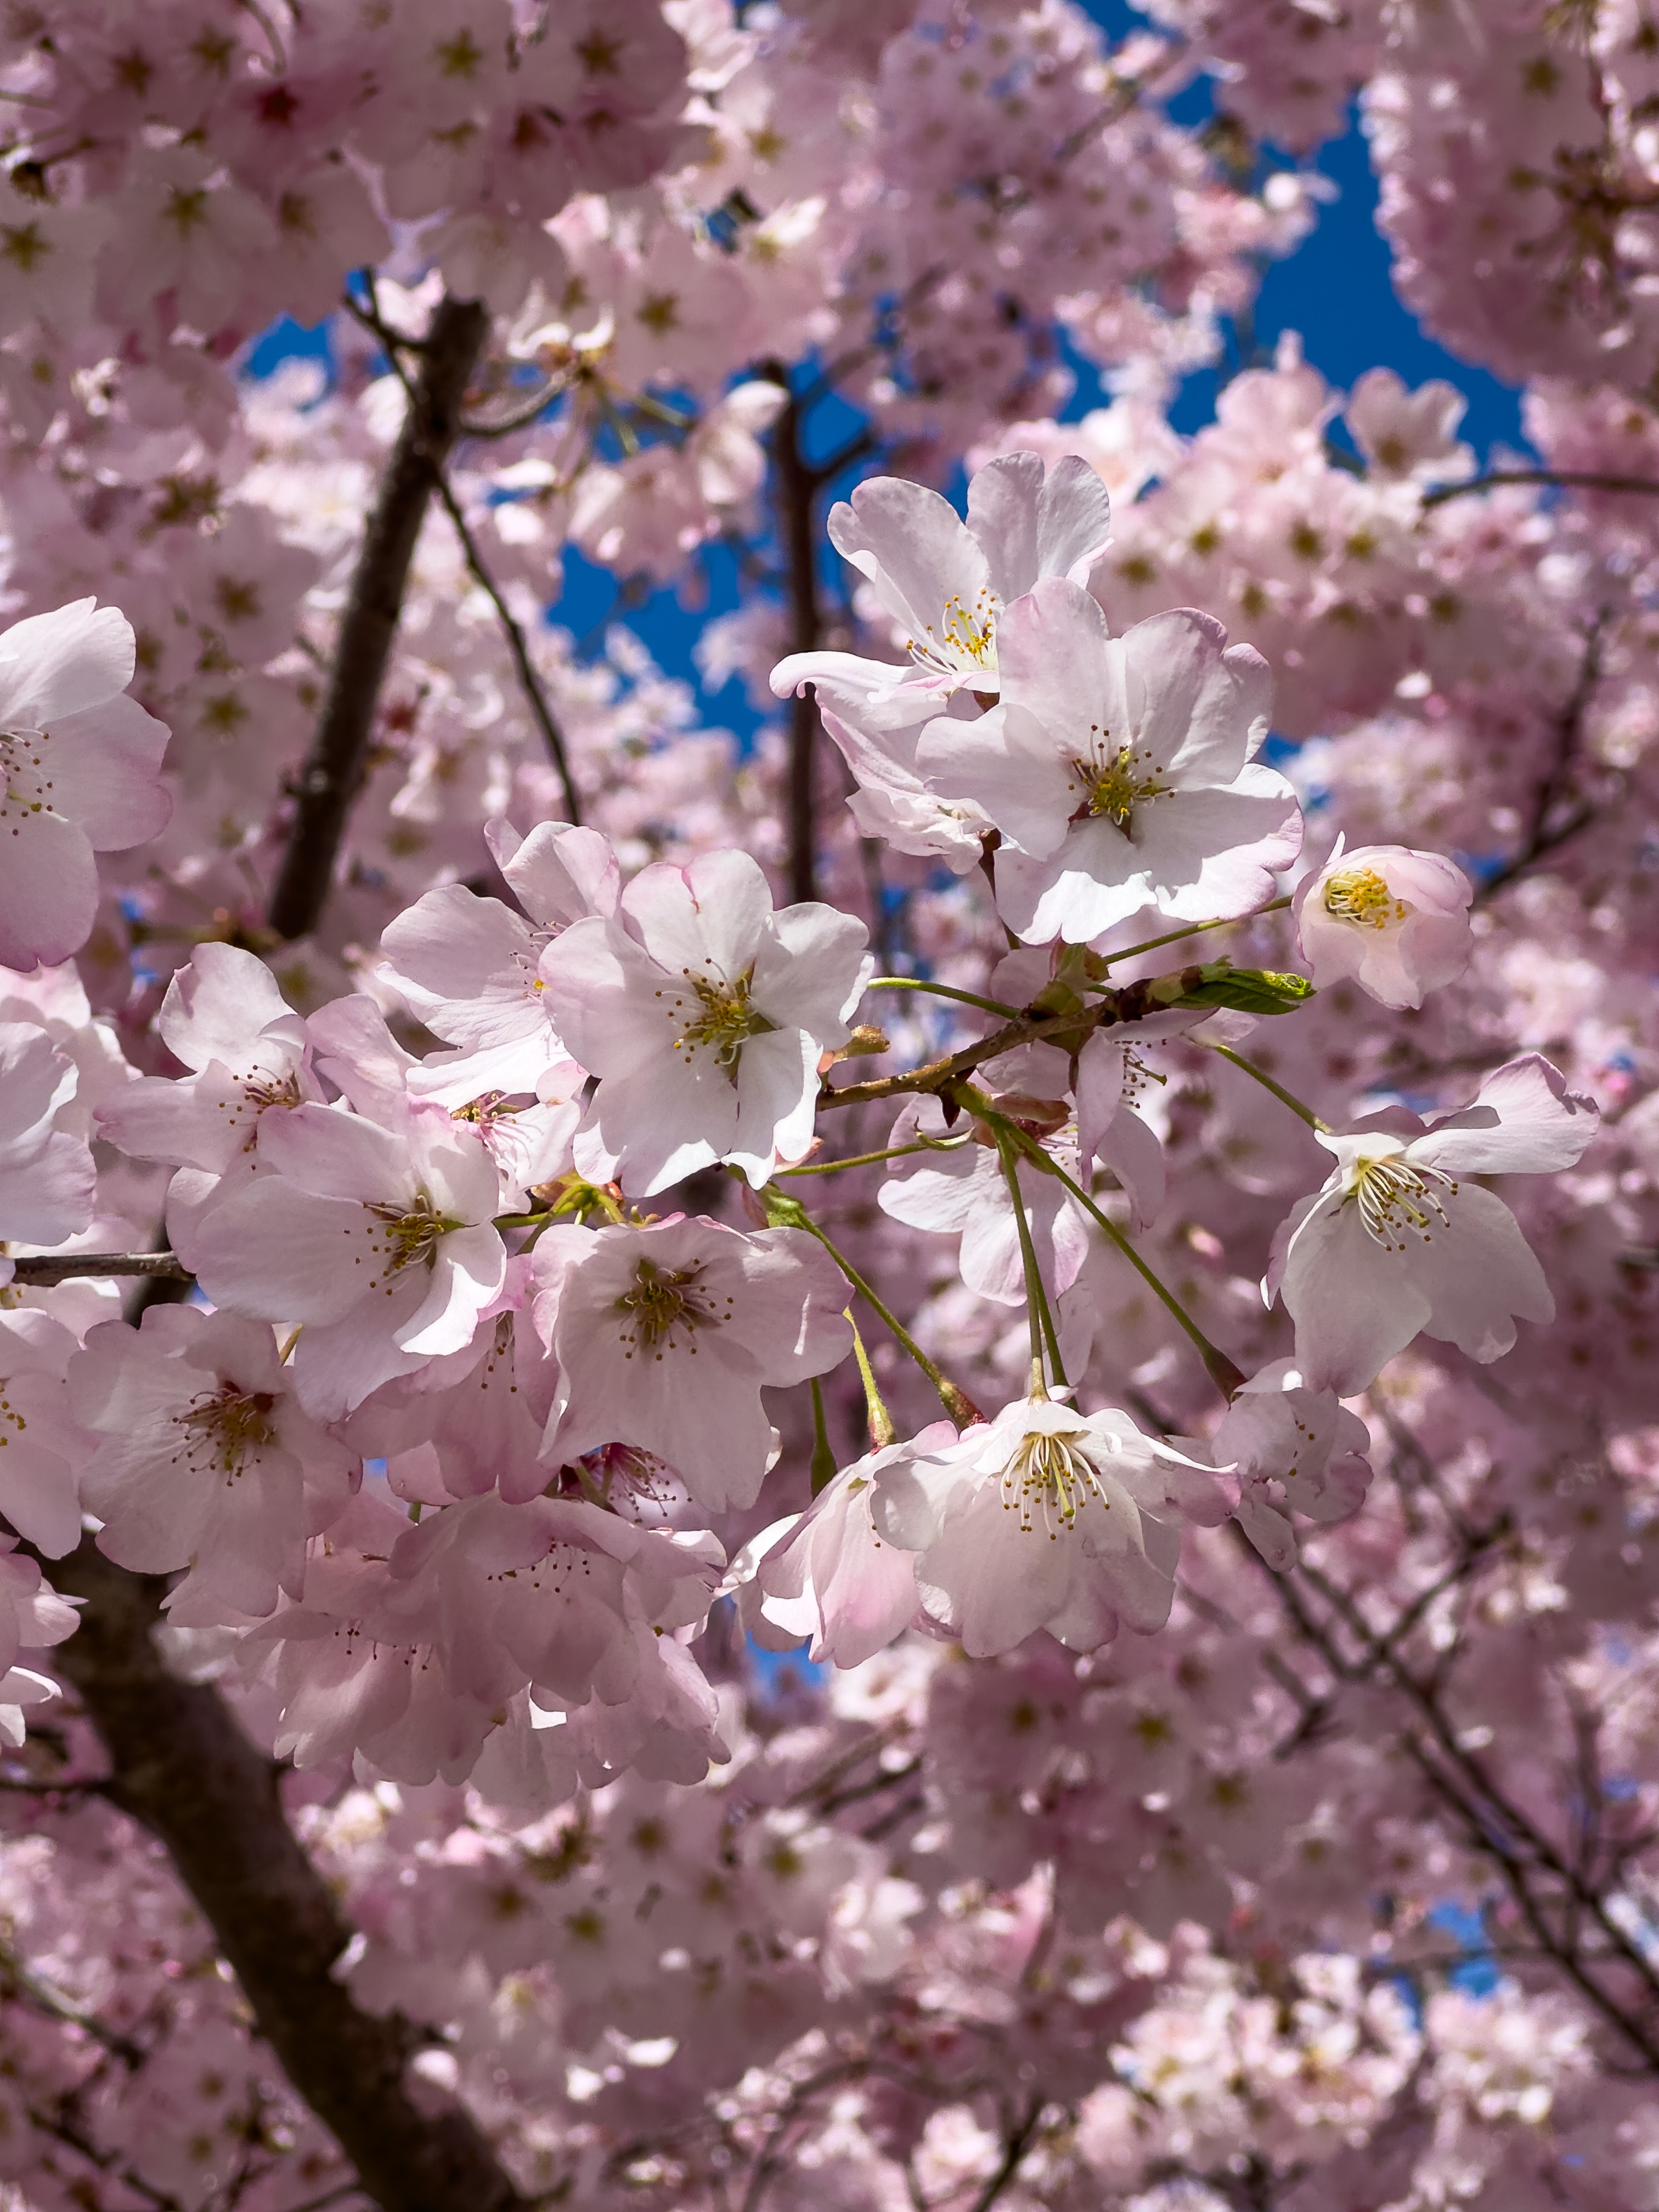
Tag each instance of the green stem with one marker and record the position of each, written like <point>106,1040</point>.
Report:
<point>1227,1376</point>
<point>1285,1098</point>
<point>790,1214</point>
<point>823,1458</point>
<point>1036,1296</point>
<point>882,1430</point>
<point>942,991</point>
<point>869,1159</point>
<point>1195,929</point>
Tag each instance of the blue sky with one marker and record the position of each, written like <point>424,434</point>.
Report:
<point>1336,290</point>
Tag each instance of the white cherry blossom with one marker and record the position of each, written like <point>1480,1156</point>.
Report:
<point>1401,1239</point>
<point>1046,1518</point>
<point>1119,771</point>
<point>703,1013</point>
<point>78,763</point>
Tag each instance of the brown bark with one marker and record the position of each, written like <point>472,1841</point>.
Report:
<point>798,486</point>
<point>333,771</point>
<point>183,1767</point>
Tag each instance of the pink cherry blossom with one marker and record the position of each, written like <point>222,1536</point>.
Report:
<point>225,1017</point>
<point>830,1576</point>
<point>475,973</point>
<point>1120,770</point>
<point>1097,1510</point>
<point>1399,1239</point>
<point>44,1447</point>
<point>1298,1451</point>
<point>666,1335</point>
<point>703,1013</point>
<point>945,582</point>
<point>47,1179</point>
<point>378,1242</point>
<point>1396,922</point>
<point>79,761</point>
<point>202,1459</point>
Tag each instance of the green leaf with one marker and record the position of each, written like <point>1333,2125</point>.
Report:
<point>1248,990</point>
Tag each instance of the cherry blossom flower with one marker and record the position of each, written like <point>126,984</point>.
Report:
<point>48,1183</point>
<point>204,1459</point>
<point>960,1190</point>
<point>1297,1451</point>
<point>475,973</point>
<point>225,1017</point>
<point>1400,1240</point>
<point>79,761</point>
<point>1093,1542</point>
<point>703,1013</point>
<point>1120,770</point>
<point>666,1335</point>
<point>945,582</point>
<point>1396,922</point>
<point>41,1446</point>
<point>32,1615</point>
<point>379,1242</point>
<point>828,1575</point>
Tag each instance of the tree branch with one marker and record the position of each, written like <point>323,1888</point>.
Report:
<point>1572,479</point>
<point>333,771</point>
<point>40,1270</point>
<point>797,490</point>
<point>529,682</point>
<point>1543,836</point>
<point>183,1768</point>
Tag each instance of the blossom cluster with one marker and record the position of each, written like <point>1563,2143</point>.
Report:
<point>978,1532</point>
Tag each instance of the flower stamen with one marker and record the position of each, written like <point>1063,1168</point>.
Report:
<point>221,1429</point>
<point>727,1021</point>
<point>1395,1201</point>
<point>1111,786</point>
<point>1048,1482</point>
<point>1363,897</point>
<point>659,1303</point>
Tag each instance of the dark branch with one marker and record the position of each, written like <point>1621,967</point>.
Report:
<point>40,1270</point>
<point>182,1766</point>
<point>1571,479</point>
<point>1547,827</point>
<point>333,771</point>
<point>797,493</point>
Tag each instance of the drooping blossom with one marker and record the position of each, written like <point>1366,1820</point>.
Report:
<point>78,763</point>
<point>703,1013</point>
<point>830,1575</point>
<point>32,1615</point>
<point>665,1336</point>
<point>1119,772</point>
<point>1046,1518</point>
<point>1396,922</point>
<point>960,1190</point>
<point>1297,1452</point>
<point>1401,1239</point>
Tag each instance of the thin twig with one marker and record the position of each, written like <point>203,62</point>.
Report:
<point>530,683</point>
<point>1571,479</point>
<point>40,1270</point>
